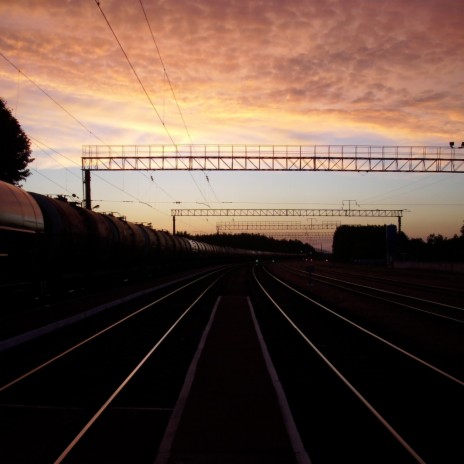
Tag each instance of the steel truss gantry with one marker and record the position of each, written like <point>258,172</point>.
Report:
<point>309,233</point>
<point>398,213</point>
<point>272,158</point>
<point>274,225</point>
<point>309,237</point>
<point>242,157</point>
<point>321,235</point>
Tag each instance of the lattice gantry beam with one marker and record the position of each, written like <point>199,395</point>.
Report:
<point>352,158</point>
<point>289,212</point>
<point>398,213</point>
<point>323,236</point>
<point>314,238</point>
<point>274,225</point>
<point>312,235</point>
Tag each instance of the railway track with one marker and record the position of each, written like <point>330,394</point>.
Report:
<point>366,380</point>
<point>444,288</point>
<point>102,390</point>
<point>384,358</point>
<point>434,307</point>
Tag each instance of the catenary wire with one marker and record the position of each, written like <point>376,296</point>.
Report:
<point>172,91</point>
<point>143,88</point>
<point>82,125</point>
<point>51,98</point>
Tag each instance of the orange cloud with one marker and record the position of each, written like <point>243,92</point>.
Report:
<point>350,57</point>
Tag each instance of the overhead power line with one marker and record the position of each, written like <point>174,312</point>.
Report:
<point>134,71</point>
<point>51,180</point>
<point>79,122</point>
<point>164,70</point>
<point>52,99</point>
<point>141,85</point>
<point>77,164</point>
<point>69,114</point>
<point>172,89</point>
<point>38,142</point>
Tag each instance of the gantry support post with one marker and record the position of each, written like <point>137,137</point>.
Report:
<point>87,191</point>
<point>173,225</point>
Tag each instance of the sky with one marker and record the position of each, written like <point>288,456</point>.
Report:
<point>304,72</point>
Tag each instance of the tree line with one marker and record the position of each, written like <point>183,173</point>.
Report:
<point>15,148</point>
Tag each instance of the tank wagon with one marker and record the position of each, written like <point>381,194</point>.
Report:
<point>49,240</point>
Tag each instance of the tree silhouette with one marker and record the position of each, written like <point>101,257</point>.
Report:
<point>15,148</point>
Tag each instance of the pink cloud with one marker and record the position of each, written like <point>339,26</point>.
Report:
<point>348,57</point>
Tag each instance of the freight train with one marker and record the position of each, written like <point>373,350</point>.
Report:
<point>52,240</point>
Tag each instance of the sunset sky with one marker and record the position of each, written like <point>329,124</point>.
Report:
<point>356,72</point>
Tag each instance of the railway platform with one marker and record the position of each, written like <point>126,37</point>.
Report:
<point>231,408</point>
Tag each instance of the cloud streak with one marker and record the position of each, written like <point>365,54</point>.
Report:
<point>352,58</point>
